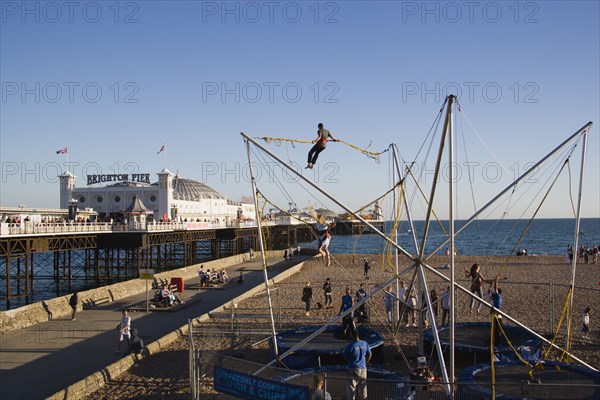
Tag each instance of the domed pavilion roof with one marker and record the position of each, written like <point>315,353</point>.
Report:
<point>191,190</point>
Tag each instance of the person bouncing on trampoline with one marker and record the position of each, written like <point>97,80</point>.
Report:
<point>320,143</point>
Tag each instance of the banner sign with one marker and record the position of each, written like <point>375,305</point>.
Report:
<point>147,274</point>
<point>246,386</point>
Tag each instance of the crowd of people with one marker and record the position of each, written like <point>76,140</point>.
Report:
<point>585,254</point>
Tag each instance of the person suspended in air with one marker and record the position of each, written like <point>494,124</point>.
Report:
<point>320,143</point>
<point>323,237</point>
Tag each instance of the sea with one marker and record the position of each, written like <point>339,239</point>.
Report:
<point>480,238</point>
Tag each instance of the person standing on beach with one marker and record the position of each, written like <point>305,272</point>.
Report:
<point>477,281</point>
<point>348,320</point>
<point>73,301</point>
<point>361,294</point>
<point>307,297</point>
<point>367,267</point>
<point>388,302</point>
<point>586,322</point>
<point>357,353</point>
<point>320,143</point>
<point>328,293</point>
<point>434,304</point>
<point>497,303</point>
<point>446,306</point>
<point>569,254</point>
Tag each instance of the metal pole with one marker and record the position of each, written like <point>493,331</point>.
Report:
<point>262,250</point>
<point>436,335</point>
<point>395,227</point>
<point>146,296</point>
<point>232,342</point>
<point>405,200</point>
<point>451,186</point>
<point>435,177</point>
<point>576,240</point>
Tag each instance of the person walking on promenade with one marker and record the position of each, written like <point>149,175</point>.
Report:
<point>320,143</point>
<point>123,330</point>
<point>328,293</point>
<point>73,301</point>
<point>307,297</point>
<point>357,353</point>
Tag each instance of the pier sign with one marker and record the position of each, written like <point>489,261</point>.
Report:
<point>138,178</point>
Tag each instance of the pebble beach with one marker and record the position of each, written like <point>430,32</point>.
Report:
<point>534,289</point>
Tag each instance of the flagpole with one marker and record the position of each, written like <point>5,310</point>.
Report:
<point>165,157</point>
<point>68,165</point>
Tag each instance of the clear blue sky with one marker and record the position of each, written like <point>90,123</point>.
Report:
<point>195,74</point>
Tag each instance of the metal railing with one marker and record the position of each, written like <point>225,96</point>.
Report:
<point>31,228</point>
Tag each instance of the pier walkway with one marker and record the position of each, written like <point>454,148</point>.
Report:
<point>43,359</point>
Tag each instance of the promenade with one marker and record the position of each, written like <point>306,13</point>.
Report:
<point>40,360</point>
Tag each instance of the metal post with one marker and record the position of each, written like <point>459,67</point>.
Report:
<point>576,240</point>
<point>262,249</point>
<point>395,217</point>
<point>449,128</point>
<point>232,343</point>
<point>146,296</point>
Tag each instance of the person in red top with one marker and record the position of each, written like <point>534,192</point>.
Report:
<point>320,144</point>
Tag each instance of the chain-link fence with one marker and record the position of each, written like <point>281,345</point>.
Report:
<point>228,373</point>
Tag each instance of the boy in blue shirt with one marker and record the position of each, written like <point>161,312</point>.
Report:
<point>358,354</point>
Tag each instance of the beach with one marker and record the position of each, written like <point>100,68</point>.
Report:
<point>534,290</point>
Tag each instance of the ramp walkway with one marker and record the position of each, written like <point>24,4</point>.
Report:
<point>38,361</point>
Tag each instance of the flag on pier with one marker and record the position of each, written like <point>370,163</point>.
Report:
<point>62,151</point>
<point>162,148</point>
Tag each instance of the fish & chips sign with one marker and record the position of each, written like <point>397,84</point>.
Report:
<point>138,178</point>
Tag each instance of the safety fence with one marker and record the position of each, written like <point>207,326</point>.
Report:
<point>226,372</point>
